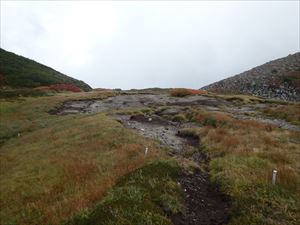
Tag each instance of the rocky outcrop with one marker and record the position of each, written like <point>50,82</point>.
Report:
<point>276,79</point>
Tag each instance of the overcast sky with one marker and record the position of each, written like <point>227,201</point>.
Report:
<point>139,44</point>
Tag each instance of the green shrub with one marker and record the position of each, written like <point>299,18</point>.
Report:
<point>188,132</point>
<point>180,92</point>
<point>179,118</point>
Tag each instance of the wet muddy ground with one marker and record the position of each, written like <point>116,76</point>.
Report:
<point>206,205</point>
<point>122,102</point>
<point>135,101</point>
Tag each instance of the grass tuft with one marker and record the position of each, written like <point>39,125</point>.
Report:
<point>182,92</point>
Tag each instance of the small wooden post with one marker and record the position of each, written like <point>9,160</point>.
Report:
<point>274,174</point>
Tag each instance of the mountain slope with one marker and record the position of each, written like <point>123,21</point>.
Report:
<point>18,71</point>
<point>279,78</point>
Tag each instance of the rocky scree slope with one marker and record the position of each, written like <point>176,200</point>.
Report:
<point>278,79</point>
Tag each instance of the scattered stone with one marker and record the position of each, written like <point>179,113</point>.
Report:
<point>264,81</point>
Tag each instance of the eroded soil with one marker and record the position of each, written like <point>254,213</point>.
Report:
<point>205,204</point>
<point>135,101</point>
<point>156,127</point>
<point>122,102</point>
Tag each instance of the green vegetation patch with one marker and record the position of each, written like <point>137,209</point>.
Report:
<point>24,92</point>
<point>142,197</point>
<point>255,199</point>
<point>179,118</point>
<point>18,71</point>
<point>189,132</point>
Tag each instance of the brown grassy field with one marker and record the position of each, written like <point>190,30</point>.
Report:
<point>53,167</point>
<point>62,168</point>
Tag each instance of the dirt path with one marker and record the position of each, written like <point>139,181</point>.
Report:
<point>158,128</point>
<point>206,205</point>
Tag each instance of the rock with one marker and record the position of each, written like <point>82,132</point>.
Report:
<point>276,79</point>
<point>169,111</point>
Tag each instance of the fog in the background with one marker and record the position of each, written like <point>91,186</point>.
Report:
<point>150,44</point>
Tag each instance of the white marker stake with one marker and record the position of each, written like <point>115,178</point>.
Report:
<point>146,151</point>
<point>274,177</point>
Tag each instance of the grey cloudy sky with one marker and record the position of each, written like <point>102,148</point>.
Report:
<point>137,44</point>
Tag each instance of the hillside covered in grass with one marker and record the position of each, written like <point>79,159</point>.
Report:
<point>20,72</point>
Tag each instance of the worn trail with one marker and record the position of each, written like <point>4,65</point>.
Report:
<point>205,204</point>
